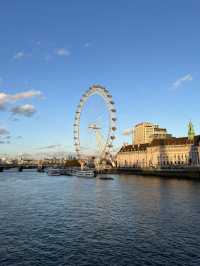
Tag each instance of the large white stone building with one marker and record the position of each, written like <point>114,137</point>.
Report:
<point>161,152</point>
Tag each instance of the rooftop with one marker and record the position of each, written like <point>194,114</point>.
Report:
<point>161,142</point>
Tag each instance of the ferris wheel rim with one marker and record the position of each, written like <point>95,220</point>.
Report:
<point>107,97</point>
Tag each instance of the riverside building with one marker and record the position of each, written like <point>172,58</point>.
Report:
<point>164,151</point>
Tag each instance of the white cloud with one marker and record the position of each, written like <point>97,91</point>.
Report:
<point>179,82</point>
<point>20,55</point>
<point>3,100</point>
<point>9,98</point>
<point>62,52</point>
<point>27,110</point>
<point>26,94</point>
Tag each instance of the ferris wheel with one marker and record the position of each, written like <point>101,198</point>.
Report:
<point>105,144</point>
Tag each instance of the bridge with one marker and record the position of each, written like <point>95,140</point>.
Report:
<point>39,166</point>
<point>19,166</point>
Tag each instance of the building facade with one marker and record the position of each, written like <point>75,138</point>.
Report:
<point>164,153</point>
<point>145,132</point>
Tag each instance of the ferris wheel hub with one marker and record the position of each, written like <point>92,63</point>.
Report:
<point>94,126</point>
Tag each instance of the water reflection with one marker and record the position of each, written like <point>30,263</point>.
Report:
<point>131,220</point>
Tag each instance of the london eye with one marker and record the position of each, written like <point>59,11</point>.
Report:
<point>104,143</point>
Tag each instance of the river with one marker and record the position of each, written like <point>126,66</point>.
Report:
<point>131,220</point>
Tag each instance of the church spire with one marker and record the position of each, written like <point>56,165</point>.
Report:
<point>191,132</point>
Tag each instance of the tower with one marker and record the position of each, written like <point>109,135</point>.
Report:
<point>191,132</point>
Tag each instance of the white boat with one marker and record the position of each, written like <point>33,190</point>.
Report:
<point>84,173</point>
<point>54,172</point>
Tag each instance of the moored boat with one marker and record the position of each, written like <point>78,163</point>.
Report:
<point>106,178</point>
<point>85,173</point>
<point>54,172</point>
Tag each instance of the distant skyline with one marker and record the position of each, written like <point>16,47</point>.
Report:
<point>145,52</point>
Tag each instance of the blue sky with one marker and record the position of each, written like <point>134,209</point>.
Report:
<point>145,52</point>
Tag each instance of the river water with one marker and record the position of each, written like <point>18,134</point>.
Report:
<point>131,220</point>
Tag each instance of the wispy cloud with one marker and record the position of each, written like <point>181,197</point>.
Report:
<point>4,136</point>
<point>19,55</point>
<point>50,147</point>
<point>4,132</point>
<point>88,44</point>
<point>59,52</point>
<point>180,81</point>
<point>62,52</point>
<point>14,119</point>
<point>4,142</point>
<point>27,110</point>
<point>26,94</point>
<point>6,98</point>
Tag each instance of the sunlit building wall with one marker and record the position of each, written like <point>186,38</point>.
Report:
<point>161,153</point>
<point>146,132</point>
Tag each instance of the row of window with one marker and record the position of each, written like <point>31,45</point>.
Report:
<point>173,162</point>
<point>178,157</point>
<point>167,162</point>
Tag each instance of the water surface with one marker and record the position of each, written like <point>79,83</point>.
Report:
<point>131,220</point>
